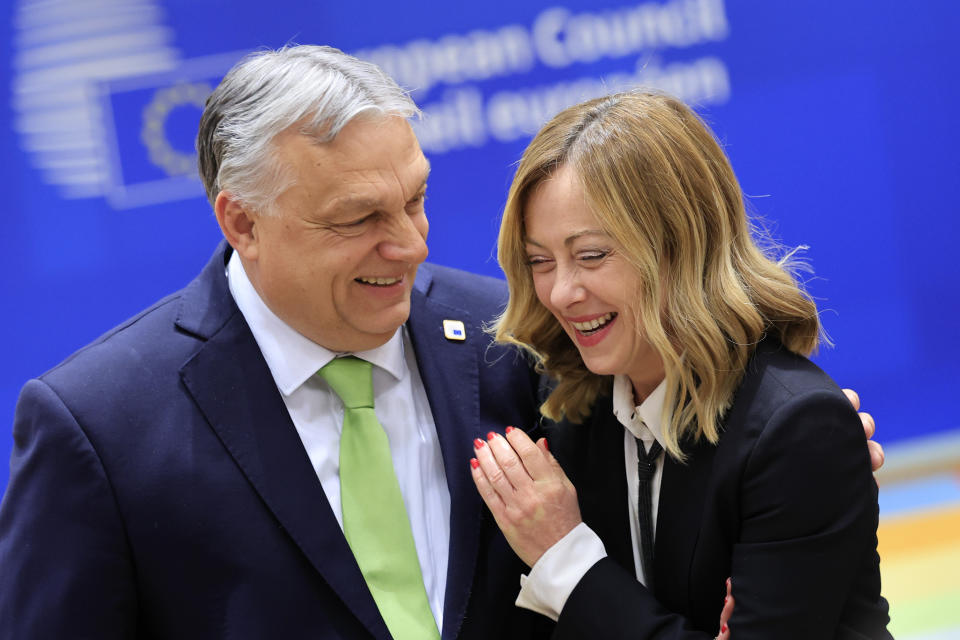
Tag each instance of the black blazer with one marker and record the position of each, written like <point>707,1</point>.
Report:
<point>159,489</point>
<point>785,504</point>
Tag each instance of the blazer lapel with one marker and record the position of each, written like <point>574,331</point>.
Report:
<point>683,490</point>
<point>449,370</point>
<point>231,384</point>
<point>602,483</point>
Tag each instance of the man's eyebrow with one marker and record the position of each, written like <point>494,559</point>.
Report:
<point>422,187</point>
<point>351,202</point>
<point>569,239</point>
<point>426,176</point>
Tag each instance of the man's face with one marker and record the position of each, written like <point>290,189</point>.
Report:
<point>338,258</point>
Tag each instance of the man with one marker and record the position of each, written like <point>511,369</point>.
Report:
<point>179,478</point>
<point>185,475</point>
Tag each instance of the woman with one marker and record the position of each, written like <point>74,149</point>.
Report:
<point>636,283</point>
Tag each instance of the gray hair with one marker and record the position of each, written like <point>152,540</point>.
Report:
<point>320,89</point>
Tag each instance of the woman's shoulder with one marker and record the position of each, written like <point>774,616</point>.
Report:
<point>786,404</point>
<point>774,363</point>
<point>776,377</point>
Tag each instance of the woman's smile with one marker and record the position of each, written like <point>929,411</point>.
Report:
<point>590,332</point>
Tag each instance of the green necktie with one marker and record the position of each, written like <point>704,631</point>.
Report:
<point>375,520</point>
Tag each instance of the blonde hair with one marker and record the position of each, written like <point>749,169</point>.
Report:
<point>660,185</point>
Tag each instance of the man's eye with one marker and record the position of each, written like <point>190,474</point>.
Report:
<point>418,200</point>
<point>356,223</point>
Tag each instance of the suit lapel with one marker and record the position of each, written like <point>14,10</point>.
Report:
<point>449,370</point>
<point>592,454</point>
<point>683,490</point>
<point>231,384</point>
<point>603,485</point>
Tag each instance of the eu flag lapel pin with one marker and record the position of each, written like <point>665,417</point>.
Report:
<point>454,330</point>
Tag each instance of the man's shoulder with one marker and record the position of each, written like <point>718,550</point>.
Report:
<point>461,288</point>
<point>146,337</point>
<point>153,342</point>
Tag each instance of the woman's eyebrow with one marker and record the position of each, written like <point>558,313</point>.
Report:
<point>570,239</point>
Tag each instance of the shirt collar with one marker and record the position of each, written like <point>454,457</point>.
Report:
<point>643,420</point>
<point>292,357</point>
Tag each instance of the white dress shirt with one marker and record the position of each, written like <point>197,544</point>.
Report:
<point>563,565</point>
<point>401,405</point>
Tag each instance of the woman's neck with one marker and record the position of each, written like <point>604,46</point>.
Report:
<point>643,388</point>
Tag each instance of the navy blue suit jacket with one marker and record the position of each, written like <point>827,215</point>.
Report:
<point>785,504</point>
<point>159,489</point>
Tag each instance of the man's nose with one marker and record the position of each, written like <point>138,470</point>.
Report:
<point>406,240</point>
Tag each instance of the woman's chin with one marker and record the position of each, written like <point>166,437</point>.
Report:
<point>599,367</point>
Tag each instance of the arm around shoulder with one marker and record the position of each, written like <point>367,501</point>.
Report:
<point>65,567</point>
<point>806,556</point>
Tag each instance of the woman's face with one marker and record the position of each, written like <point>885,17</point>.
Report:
<point>583,279</point>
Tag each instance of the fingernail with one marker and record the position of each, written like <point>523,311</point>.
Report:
<point>509,429</point>
<point>477,443</point>
<point>723,629</point>
<point>491,435</point>
<point>725,600</point>
<point>546,445</point>
<point>474,463</point>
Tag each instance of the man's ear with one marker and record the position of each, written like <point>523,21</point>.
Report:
<point>238,224</point>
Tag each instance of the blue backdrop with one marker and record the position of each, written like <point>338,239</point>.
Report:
<point>839,117</point>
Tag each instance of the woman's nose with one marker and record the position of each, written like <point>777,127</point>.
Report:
<point>567,288</point>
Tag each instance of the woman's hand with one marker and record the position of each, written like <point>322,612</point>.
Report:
<point>725,613</point>
<point>529,495</point>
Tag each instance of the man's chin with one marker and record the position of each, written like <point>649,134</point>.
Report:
<point>384,322</point>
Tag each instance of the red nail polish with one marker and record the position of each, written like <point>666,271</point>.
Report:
<point>477,443</point>
<point>726,600</point>
<point>491,435</point>
<point>474,463</point>
<point>509,429</point>
<point>723,629</point>
<point>546,445</point>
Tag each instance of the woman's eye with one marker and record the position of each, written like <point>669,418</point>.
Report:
<point>594,255</point>
<point>538,263</point>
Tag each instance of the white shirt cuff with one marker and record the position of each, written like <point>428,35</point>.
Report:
<point>559,570</point>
